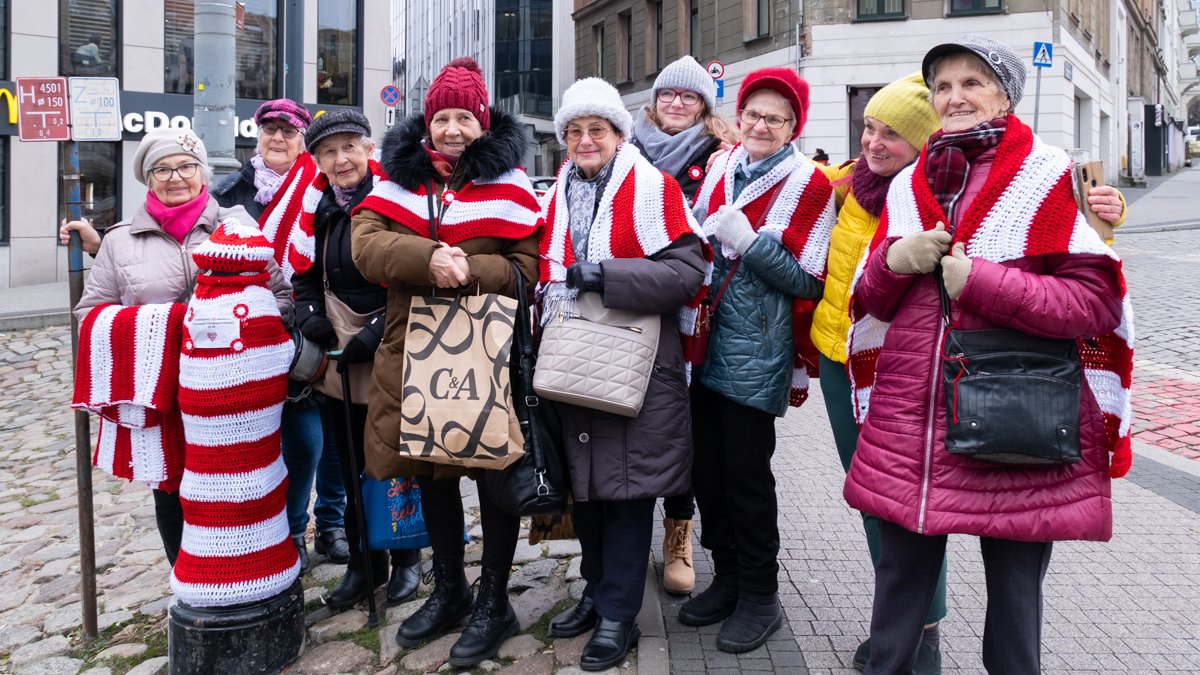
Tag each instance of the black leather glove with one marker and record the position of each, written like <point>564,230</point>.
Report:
<point>361,348</point>
<point>315,327</point>
<point>586,277</point>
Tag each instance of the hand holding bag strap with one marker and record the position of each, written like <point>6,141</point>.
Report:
<point>432,219</point>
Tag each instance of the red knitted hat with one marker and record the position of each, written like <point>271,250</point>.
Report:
<point>234,247</point>
<point>786,83</point>
<point>459,85</point>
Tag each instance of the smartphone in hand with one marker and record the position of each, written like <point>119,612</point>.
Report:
<point>1088,175</point>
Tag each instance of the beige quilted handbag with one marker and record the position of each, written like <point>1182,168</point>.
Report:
<point>601,359</point>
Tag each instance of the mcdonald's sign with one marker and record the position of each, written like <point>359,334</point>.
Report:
<point>8,103</point>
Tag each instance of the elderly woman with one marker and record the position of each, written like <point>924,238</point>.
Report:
<point>281,125</point>
<point>678,132</point>
<point>964,207</point>
<point>140,260</point>
<point>653,264</point>
<point>770,215</point>
<point>340,143</point>
<point>466,154</point>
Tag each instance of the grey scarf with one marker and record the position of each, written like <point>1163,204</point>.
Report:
<point>583,196</point>
<point>668,153</point>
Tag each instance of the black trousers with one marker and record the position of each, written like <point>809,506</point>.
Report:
<point>680,507</point>
<point>168,515</point>
<point>906,578</point>
<point>735,489</point>
<point>441,504</point>
<point>615,540</point>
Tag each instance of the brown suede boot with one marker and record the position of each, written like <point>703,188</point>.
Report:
<point>678,576</point>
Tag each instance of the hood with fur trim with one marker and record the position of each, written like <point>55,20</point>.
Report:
<point>404,158</point>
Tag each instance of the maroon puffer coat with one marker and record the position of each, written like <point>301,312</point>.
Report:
<point>901,471</point>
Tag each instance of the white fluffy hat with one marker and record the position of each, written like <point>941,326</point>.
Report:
<point>591,96</point>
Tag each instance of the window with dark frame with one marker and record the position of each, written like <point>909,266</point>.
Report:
<point>625,40</point>
<point>857,98</point>
<point>4,187</point>
<point>524,37</point>
<point>598,38</point>
<point>967,7</point>
<point>764,17</point>
<point>256,48</point>
<point>654,36</point>
<point>694,28</point>
<point>337,52</point>
<point>4,39</point>
<point>870,10</point>
<point>87,38</point>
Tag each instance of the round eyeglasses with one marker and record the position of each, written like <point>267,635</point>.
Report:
<point>751,118</point>
<point>185,171</point>
<point>669,95</point>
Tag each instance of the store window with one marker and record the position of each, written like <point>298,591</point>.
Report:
<point>859,96</point>
<point>98,167</point>
<point>87,38</point>
<point>254,61</point>
<point>870,10</point>
<point>3,188</point>
<point>337,52</point>
<point>4,39</point>
<point>962,7</point>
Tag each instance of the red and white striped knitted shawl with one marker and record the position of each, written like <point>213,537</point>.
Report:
<point>236,546</point>
<point>503,207</point>
<point>127,371</point>
<point>1025,208</point>
<point>801,219</point>
<point>641,212</point>
<point>283,224</point>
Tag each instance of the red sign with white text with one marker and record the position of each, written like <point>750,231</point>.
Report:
<point>43,108</point>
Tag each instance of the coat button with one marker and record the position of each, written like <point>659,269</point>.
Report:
<point>583,438</point>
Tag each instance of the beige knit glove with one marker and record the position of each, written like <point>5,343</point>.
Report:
<point>919,253</point>
<point>956,267</point>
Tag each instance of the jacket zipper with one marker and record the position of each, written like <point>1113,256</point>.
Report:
<point>937,364</point>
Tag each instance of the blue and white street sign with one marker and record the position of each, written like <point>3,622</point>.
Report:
<point>720,88</point>
<point>1043,54</point>
<point>390,95</point>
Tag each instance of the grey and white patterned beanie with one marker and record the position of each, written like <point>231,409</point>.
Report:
<point>1009,68</point>
<point>687,73</point>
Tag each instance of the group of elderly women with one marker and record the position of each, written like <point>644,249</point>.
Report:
<point>658,215</point>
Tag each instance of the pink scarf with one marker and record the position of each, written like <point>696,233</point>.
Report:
<point>177,221</point>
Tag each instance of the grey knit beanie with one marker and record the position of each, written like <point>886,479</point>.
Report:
<point>163,143</point>
<point>1000,58</point>
<point>687,73</point>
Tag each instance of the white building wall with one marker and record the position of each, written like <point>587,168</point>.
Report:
<point>441,31</point>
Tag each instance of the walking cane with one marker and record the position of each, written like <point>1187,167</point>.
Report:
<point>356,493</point>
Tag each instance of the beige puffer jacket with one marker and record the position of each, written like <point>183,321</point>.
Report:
<point>139,264</point>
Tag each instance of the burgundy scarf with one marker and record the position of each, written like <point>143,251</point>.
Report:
<point>177,221</point>
<point>443,164</point>
<point>949,158</point>
<point>869,188</point>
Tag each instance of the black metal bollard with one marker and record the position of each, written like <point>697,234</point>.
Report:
<point>257,637</point>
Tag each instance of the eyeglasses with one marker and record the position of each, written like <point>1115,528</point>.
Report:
<point>773,121</point>
<point>596,132</point>
<point>669,95</point>
<point>271,129</point>
<point>185,171</point>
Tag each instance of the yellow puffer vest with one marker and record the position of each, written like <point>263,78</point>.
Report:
<point>850,238</point>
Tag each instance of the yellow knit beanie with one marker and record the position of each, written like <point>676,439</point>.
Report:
<point>904,106</point>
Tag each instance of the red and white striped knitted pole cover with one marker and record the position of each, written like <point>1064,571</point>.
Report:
<point>232,385</point>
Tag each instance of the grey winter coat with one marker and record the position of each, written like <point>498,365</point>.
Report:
<point>751,348</point>
<point>140,264</point>
<point>614,458</point>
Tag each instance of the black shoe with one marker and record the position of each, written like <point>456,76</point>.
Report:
<point>492,622</point>
<point>353,586</point>
<point>929,654</point>
<point>406,576</point>
<point>302,552</point>
<point>449,604</point>
<point>755,618</point>
<point>610,644</point>
<point>713,604</point>
<point>862,655</point>
<point>333,544</point>
<point>575,621</point>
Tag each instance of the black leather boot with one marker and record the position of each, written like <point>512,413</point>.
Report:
<point>302,552</point>
<point>406,575</point>
<point>334,545</point>
<point>353,586</point>
<point>755,618</point>
<point>575,621</point>
<point>713,604</point>
<point>492,622</point>
<point>609,645</point>
<point>448,604</point>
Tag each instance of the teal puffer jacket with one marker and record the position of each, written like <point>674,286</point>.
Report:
<point>750,349</point>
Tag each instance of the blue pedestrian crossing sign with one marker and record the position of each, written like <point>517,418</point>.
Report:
<point>1043,54</point>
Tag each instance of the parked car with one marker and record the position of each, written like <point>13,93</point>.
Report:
<point>541,185</point>
<point>1191,150</point>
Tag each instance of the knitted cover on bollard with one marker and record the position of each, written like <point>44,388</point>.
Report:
<point>232,384</point>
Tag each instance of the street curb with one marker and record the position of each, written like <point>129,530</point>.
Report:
<point>1167,458</point>
<point>1176,226</point>
<point>654,655</point>
<point>35,320</point>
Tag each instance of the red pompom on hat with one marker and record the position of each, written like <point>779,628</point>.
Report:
<point>234,247</point>
<point>459,85</point>
<point>786,83</point>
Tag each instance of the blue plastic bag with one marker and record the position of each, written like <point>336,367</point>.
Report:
<point>392,509</point>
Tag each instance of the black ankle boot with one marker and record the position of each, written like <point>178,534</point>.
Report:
<point>575,621</point>
<point>406,575</point>
<point>492,622</point>
<point>754,619</point>
<point>301,552</point>
<point>713,604</point>
<point>449,603</point>
<point>353,586</point>
<point>609,645</point>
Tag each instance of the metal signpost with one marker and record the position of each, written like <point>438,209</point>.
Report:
<point>1043,57</point>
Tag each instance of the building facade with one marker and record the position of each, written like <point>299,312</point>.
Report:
<point>345,46</point>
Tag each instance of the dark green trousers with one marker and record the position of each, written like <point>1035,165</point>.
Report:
<point>835,388</point>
